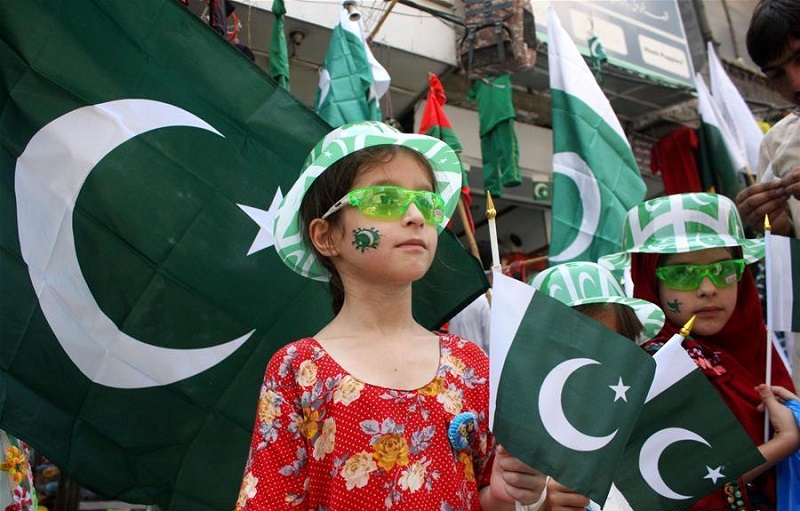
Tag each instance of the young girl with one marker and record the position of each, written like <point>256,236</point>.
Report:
<point>688,253</point>
<point>357,417</point>
<point>593,290</point>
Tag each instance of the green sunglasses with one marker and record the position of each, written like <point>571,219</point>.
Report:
<point>387,202</point>
<point>687,277</point>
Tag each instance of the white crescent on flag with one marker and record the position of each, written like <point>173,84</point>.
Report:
<point>48,179</point>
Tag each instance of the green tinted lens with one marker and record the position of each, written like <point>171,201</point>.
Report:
<point>393,201</point>
<point>687,277</point>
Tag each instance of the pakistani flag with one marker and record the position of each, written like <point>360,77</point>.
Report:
<point>565,390</point>
<point>352,80</point>
<point>141,296</point>
<point>783,282</point>
<point>737,115</point>
<point>278,53</point>
<point>595,177</point>
<point>686,442</point>
<point>719,156</point>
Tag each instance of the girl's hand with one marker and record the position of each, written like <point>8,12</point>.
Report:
<point>787,433</point>
<point>512,480</point>
<point>561,498</point>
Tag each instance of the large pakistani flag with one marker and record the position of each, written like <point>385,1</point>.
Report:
<point>734,110</point>
<point>352,81</point>
<point>783,282</point>
<point>595,177</point>
<point>720,157</point>
<point>140,296</point>
<point>686,442</point>
<point>565,390</point>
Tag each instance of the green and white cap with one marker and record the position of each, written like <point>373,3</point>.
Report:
<point>683,223</point>
<point>345,140</point>
<point>583,282</point>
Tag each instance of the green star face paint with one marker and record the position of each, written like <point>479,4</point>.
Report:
<point>364,238</point>
<point>674,306</point>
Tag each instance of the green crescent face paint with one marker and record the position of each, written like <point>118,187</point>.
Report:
<point>674,306</point>
<point>364,238</point>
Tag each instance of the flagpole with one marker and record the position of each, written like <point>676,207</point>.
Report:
<point>473,245</point>
<point>770,333</point>
<point>491,213</point>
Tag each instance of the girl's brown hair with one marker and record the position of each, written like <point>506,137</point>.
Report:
<point>627,321</point>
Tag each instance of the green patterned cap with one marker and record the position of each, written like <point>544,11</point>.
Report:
<point>583,282</point>
<point>345,140</point>
<point>683,223</point>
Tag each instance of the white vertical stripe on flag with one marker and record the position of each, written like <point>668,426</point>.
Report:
<point>780,288</point>
<point>510,300</point>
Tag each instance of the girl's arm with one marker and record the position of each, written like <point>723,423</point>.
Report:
<point>786,440</point>
<point>276,470</point>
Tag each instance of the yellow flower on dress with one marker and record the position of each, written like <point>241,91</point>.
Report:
<point>433,388</point>
<point>391,450</point>
<point>458,366</point>
<point>348,390</point>
<point>324,443</point>
<point>307,373</point>
<point>451,399</point>
<point>413,477</point>
<point>307,423</point>
<point>268,410</point>
<point>15,464</point>
<point>357,469</point>
<point>248,490</point>
<point>469,470</point>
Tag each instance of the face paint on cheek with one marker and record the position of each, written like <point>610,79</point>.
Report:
<point>366,238</point>
<point>674,306</point>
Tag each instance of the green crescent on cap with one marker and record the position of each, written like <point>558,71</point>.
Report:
<point>583,282</point>
<point>683,223</point>
<point>288,231</point>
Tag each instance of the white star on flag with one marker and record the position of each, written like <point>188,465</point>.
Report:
<point>265,220</point>
<point>620,391</point>
<point>714,474</point>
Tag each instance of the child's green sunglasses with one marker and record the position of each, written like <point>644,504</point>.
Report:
<point>687,277</point>
<point>392,202</point>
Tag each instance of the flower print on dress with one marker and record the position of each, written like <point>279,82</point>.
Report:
<point>247,491</point>
<point>348,390</point>
<point>357,469</point>
<point>325,441</point>
<point>451,399</point>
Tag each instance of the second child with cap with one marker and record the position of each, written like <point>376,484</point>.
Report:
<point>688,253</point>
<point>592,290</point>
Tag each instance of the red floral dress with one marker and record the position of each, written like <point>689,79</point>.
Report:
<point>323,440</point>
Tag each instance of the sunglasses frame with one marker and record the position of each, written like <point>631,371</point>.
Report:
<point>701,271</point>
<point>356,198</point>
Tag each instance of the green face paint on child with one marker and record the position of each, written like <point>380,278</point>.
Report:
<point>364,238</point>
<point>674,306</point>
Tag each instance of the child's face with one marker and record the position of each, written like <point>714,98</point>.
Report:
<point>397,250</point>
<point>713,306</point>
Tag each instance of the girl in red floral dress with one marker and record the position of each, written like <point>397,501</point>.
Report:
<point>357,417</point>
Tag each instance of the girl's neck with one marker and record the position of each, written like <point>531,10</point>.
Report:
<point>378,315</point>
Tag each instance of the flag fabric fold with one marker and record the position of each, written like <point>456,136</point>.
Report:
<point>563,400</point>
<point>719,157</point>
<point>686,442</point>
<point>734,110</point>
<point>596,179</point>
<point>141,295</point>
<point>278,53</point>
<point>352,81</point>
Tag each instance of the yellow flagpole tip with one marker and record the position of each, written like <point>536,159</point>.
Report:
<point>767,226</point>
<point>490,211</point>
<point>687,328</point>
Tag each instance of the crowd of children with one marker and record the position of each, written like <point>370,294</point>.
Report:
<point>376,412</point>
